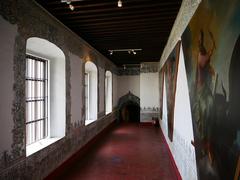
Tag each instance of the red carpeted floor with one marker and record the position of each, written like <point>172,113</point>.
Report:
<point>126,152</point>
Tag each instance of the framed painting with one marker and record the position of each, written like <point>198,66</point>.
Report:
<point>170,74</point>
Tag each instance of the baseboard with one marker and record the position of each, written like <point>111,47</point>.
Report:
<point>147,123</point>
<point>173,163</point>
<point>79,153</point>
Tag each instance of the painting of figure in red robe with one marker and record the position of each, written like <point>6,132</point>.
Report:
<point>211,47</point>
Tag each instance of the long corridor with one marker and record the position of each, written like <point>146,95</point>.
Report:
<point>126,152</point>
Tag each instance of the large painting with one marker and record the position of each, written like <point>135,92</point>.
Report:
<point>211,45</point>
<point>171,69</point>
<point>161,83</point>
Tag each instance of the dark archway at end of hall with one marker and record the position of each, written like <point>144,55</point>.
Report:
<point>130,112</point>
<point>129,108</point>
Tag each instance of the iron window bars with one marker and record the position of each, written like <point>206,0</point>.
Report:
<point>36,99</point>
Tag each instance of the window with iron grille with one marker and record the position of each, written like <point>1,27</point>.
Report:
<point>87,103</point>
<point>108,92</point>
<point>36,99</point>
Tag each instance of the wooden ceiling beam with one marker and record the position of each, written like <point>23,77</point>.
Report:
<point>112,15</point>
<point>124,33</point>
<point>123,29</point>
<point>149,16</point>
<point>165,23</point>
<point>128,22</point>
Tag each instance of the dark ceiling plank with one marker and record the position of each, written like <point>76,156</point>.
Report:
<point>166,23</point>
<point>113,9</point>
<point>137,26</point>
<point>86,2</point>
<point>117,40</point>
<point>116,31</point>
<point>119,18</point>
<point>124,33</point>
<point>126,21</point>
<point>121,13</point>
<point>112,3</point>
<point>89,7</point>
<point>105,44</point>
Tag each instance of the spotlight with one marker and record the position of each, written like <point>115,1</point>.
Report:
<point>124,67</point>
<point>111,52</point>
<point>119,3</point>
<point>71,7</point>
<point>134,52</point>
<point>129,52</point>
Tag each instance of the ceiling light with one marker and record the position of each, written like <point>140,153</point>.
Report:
<point>68,2</point>
<point>119,3</point>
<point>71,7</point>
<point>130,51</point>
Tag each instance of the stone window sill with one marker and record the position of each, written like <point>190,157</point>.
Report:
<point>87,122</point>
<point>37,146</point>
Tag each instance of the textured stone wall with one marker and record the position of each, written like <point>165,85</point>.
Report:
<point>184,16</point>
<point>33,21</point>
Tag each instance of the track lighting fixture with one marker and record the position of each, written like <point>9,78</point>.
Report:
<point>71,7</point>
<point>68,2</point>
<point>119,3</point>
<point>130,51</point>
<point>132,66</point>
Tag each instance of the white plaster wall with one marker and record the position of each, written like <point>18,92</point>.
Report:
<point>181,147</point>
<point>76,89</point>
<point>101,89</point>
<point>128,83</point>
<point>149,90</point>
<point>7,35</point>
<point>115,90</point>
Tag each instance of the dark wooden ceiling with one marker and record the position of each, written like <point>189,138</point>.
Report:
<point>144,24</point>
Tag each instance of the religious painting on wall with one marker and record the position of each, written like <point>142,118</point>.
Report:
<point>161,84</point>
<point>171,70</point>
<point>211,45</point>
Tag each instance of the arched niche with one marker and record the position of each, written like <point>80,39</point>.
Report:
<point>128,100</point>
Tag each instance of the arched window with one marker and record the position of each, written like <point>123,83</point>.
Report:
<point>91,92</point>
<point>108,92</point>
<point>45,94</point>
